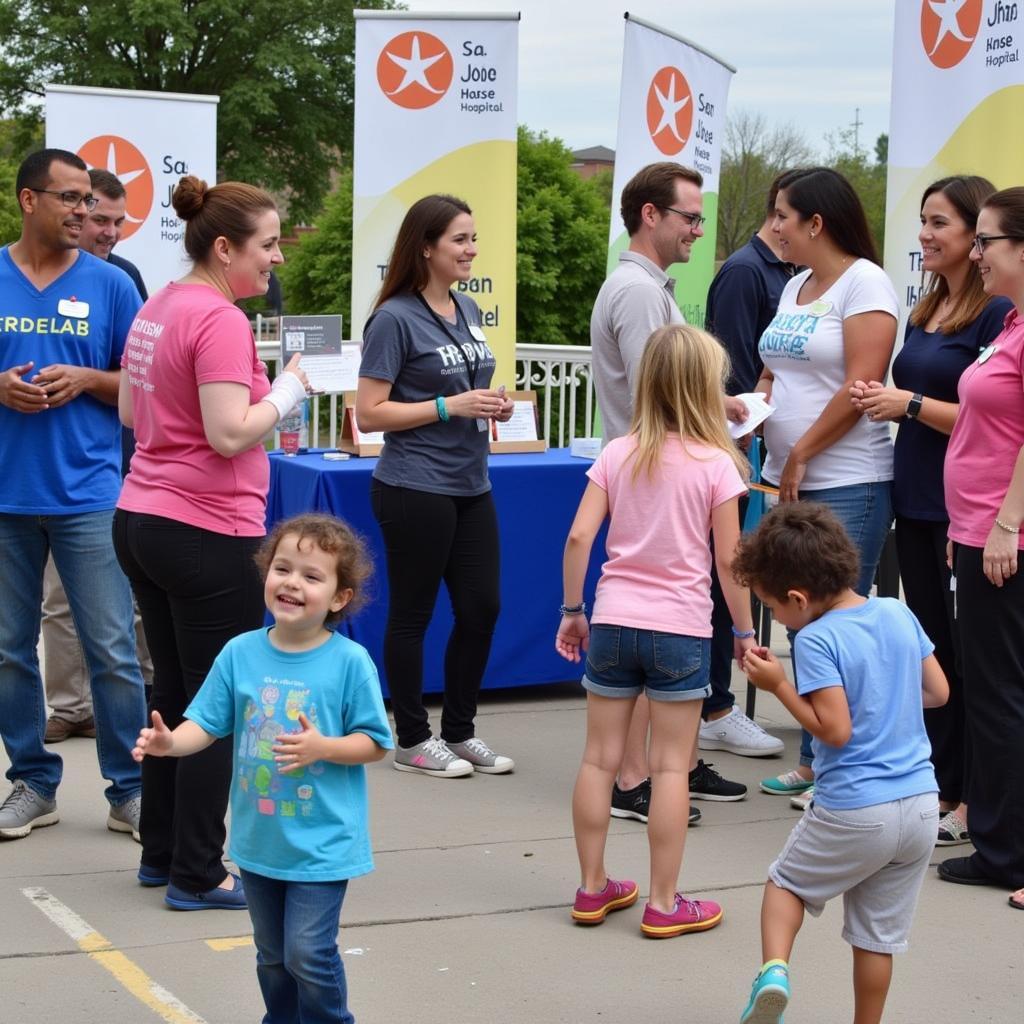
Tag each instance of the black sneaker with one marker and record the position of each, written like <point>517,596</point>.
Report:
<point>635,803</point>
<point>707,784</point>
<point>632,803</point>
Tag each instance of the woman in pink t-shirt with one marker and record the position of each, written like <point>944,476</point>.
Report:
<point>191,513</point>
<point>651,624</point>
<point>984,483</point>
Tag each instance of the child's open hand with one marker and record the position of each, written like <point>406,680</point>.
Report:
<point>573,636</point>
<point>763,669</point>
<point>298,749</point>
<point>156,742</point>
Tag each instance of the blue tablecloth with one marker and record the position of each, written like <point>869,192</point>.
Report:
<point>536,495</point>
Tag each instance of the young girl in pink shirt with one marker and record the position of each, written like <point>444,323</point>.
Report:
<point>664,487</point>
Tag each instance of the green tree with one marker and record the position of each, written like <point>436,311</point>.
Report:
<point>283,71</point>
<point>562,248</point>
<point>562,243</point>
<point>317,273</point>
<point>753,155</point>
<point>866,176</point>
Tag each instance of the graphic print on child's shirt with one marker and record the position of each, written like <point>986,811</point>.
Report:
<point>288,794</point>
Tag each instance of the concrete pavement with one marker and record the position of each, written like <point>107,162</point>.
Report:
<point>466,917</point>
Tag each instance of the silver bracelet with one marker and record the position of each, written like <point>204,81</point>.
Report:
<point>1008,529</point>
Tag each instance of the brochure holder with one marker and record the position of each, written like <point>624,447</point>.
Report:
<point>353,440</point>
<point>520,434</point>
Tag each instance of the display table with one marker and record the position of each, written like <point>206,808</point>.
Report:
<point>536,496</point>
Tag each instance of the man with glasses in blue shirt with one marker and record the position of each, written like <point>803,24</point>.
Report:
<point>64,317</point>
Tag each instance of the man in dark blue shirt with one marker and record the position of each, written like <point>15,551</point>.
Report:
<point>742,300</point>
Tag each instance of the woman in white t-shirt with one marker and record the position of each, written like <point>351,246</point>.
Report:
<point>836,321</point>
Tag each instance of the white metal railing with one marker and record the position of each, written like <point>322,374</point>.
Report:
<point>561,375</point>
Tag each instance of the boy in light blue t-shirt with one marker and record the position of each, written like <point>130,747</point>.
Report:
<point>305,707</point>
<point>865,671</point>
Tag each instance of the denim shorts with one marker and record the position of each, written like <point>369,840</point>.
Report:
<point>625,662</point>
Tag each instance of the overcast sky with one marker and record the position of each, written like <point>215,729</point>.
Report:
<point>811,63</point>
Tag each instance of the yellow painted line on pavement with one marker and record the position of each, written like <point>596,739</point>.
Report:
<point>131,977</point>
<point>223,945</point>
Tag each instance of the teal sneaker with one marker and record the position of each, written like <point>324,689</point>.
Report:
<point>787,784</point>
<point>769,996</point>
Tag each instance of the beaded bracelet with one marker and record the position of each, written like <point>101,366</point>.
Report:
<point>442,409</point>
<point>745,634</point>
<point>1006,527</point>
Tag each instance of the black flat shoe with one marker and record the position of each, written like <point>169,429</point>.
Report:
<point>963,871</point>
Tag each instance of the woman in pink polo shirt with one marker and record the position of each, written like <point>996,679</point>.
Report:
<point>191,513</point>
<point>984,483</point>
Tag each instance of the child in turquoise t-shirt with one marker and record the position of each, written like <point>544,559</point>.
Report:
<point>305,707</point>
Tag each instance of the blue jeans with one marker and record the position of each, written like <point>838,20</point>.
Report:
<point>101,605</point>
<point>865,510</point>
<point>624,662</point>
<point>295,928</point>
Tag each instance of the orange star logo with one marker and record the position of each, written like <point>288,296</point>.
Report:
<point>125,161</point>
<point>669,110</point>
<point>415,70</point>
<point>948,29</point>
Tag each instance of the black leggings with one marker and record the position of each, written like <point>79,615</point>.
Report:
<point>196,590</point>
<point>429,538</point>
<point>990,620</point>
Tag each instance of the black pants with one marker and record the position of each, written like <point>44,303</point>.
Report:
<point>196,590</point>
<point>429,538</point>
<point>921,548</point>
<point>721,697</point>
<point>991,625</point>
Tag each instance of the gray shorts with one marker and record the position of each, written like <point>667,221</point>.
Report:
<point>876,857</point>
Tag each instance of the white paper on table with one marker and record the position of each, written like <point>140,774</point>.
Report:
<point>758,410</point>
<point>521,427</point>
<point>333,374</point>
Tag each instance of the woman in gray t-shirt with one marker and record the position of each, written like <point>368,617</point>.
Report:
<point>425,380</point>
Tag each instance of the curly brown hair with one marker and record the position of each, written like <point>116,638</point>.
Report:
<point>800,545</point>
<point>351,557</point>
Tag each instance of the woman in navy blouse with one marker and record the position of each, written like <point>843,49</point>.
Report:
<point>953,320</point>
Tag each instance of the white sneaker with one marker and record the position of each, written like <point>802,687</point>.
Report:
<point>481,757</point>
<point>801,800</point>
<point>739,735</point>
<point>431,757</point>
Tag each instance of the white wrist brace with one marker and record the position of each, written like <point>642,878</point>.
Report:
<point>286,392</point>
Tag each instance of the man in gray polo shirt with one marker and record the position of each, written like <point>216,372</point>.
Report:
<point>661,208</point>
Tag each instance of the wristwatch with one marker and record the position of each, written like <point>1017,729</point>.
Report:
<point>914,406</point>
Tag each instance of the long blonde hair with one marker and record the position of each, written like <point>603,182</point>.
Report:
<point>681,390</point>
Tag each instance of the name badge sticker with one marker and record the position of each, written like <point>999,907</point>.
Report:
<point>987,354</point>
<point>477,332</point>
<point>73,307</point>
<point>820,307</point>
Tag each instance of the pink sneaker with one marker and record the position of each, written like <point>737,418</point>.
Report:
<point>594,907</point>
<point>689,916</point>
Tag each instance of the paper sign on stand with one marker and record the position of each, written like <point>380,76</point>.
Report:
<point>356,441</point>
<point>519,434</point>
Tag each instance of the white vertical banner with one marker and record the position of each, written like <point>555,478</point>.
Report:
<point>671,107</point>
<point>148,140</point>
<point>435,111</point>
<point>957,104</point>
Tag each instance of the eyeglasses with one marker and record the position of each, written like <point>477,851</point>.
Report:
<point>694,219</point>
<point>72,200</point>
<point>981,241</point>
